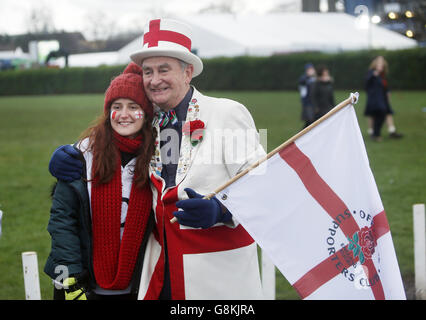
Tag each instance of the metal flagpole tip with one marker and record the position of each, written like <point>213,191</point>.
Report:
<point>354,97</point>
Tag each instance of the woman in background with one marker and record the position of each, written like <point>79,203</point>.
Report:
<point>378,108</point>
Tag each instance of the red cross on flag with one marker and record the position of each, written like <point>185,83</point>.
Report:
<point>314,207</point>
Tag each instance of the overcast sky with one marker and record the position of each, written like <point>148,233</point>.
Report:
<point>74,15</point>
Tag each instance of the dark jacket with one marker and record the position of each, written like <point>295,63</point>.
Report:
<point>322,97</point>
<point>71,231</point>
<point>70,228</point>
<point>377,98</point>
<point>305,91</point>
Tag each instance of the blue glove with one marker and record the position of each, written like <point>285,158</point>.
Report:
<point>65,164</point>
<point>200,213</point>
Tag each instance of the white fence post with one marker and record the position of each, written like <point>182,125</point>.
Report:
<point>31,278</point>
<point>268,277</point>
<point>1,216</point>
<point>419,250</point>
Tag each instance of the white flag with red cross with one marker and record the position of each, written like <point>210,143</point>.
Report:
<point>317,213</point>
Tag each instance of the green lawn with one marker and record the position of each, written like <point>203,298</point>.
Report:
<point>32,127</point>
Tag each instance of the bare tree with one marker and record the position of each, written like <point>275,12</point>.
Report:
<point>40,20</point>
<point>220,7</point>
<point>99,26</point>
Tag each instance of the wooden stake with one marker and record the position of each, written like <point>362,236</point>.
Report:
<point>268,277</point>
<point>31,278</point>
<point>419,250</point>
<point>353,98</point>
<point>1,215</point>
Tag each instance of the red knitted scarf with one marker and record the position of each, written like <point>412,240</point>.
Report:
<point>114,260</point>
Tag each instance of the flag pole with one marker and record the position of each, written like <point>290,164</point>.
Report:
<point>353,99</point>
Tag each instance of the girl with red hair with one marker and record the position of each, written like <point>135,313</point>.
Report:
<point>101,225</point>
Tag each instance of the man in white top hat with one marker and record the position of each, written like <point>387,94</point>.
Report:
<point>218,261</point>
<point>207,254</point>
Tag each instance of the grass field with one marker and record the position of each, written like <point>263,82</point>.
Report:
<point>32,127</point>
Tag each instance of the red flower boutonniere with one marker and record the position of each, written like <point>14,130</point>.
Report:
<point>195,130</point>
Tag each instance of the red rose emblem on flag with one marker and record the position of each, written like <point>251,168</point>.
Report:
<point>363,244</point>
<point>195,130</point>
<point>367,241</point>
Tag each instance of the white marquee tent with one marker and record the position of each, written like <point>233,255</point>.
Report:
<point>264,35</point>
<point>275,33</point>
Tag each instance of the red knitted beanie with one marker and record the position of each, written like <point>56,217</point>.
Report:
<point>128,85</point>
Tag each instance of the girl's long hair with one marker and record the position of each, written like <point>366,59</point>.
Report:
<point>105,152</point>
<point>375,61</point>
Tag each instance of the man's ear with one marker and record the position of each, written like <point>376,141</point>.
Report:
<point>189,71</point>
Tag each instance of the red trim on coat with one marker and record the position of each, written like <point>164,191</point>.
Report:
<point>190,241</point>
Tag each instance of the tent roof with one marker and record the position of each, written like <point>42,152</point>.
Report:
<point>274,33</point>
<point>289,32</point>
<point>92,59</point>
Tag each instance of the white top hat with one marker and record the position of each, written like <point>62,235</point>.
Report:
<point>168,38</point>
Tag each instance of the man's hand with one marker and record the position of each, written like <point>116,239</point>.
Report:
<point>65,164</point>
<point>200,213</point>
<point>73,291</point>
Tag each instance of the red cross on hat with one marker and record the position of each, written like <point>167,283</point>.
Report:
<point>155,34</point>
<point>169,38</point>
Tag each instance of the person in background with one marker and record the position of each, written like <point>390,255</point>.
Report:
<point>306,82</point>
<point>322,92</point>
<point>378,109</point>
<point>101,224</point>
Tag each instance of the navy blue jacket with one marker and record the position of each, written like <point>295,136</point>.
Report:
<point>377,98</point>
